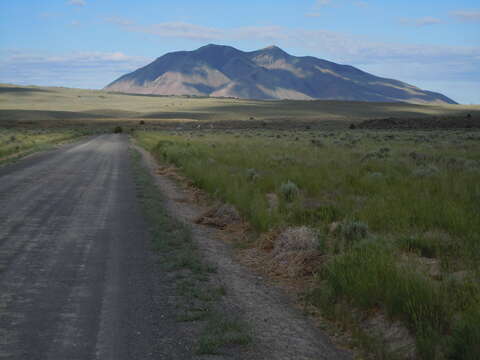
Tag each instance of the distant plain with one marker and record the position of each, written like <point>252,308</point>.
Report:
<point>55,106</point>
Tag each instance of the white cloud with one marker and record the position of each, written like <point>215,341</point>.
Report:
<point>180,30</point>
<point>77,2</point>
<point>81,69</point>
<point>93,57</point>
<point>467,15</point>
<point>313,14</point>
<point>419,22</point>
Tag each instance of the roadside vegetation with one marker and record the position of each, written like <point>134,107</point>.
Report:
<point>392,217</point>
<point>199,297</point>
<point>22,141</point>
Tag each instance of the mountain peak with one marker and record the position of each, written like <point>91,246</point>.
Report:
<point>272,47</point>
<point>271,53</point>
<point>269,73</point>
<point>213,46</point>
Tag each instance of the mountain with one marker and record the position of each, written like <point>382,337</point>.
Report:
<point>269,73</point>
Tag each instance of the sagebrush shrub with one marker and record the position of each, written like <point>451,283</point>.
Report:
<point>252,175</point>
<point>353,231</point>
<point>289,190</point>
<point>425,171</point>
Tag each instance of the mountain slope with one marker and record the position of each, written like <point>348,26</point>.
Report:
<point>269,73</point>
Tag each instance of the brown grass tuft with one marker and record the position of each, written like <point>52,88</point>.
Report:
<point>219,216</point>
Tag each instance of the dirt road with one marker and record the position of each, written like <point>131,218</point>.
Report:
<point>77,280</point>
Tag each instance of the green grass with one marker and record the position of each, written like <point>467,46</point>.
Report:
<point>399,197</point>
<point>199,300</point>
<point>221,331</point>
<point>385,193</point>
<point>369,276</point>
<point>19,141</point>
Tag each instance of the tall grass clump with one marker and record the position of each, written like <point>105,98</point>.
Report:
<point>368,274</point>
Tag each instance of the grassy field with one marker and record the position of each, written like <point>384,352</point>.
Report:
<point>21,141</point>
<point>396,215</point>
<point>64,106</point>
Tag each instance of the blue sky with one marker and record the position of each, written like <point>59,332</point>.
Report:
<point>88,43</point>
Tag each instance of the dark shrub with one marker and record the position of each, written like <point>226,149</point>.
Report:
<point>118,130</point>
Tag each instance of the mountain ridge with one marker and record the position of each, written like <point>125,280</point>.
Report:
<point>269,73</point>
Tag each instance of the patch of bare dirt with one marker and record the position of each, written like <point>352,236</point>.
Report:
<point>281,330</point>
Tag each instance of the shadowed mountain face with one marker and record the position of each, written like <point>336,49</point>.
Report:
<point>269,73</point>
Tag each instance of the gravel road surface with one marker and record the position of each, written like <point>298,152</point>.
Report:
<point>77,279</point>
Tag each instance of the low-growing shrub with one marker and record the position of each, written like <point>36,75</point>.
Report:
<point>252,175</point>
<point>289,191</point>
<point>425,171</point>
<point>375,175</point>
<point>352,231</point>
<point>117,129</point>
